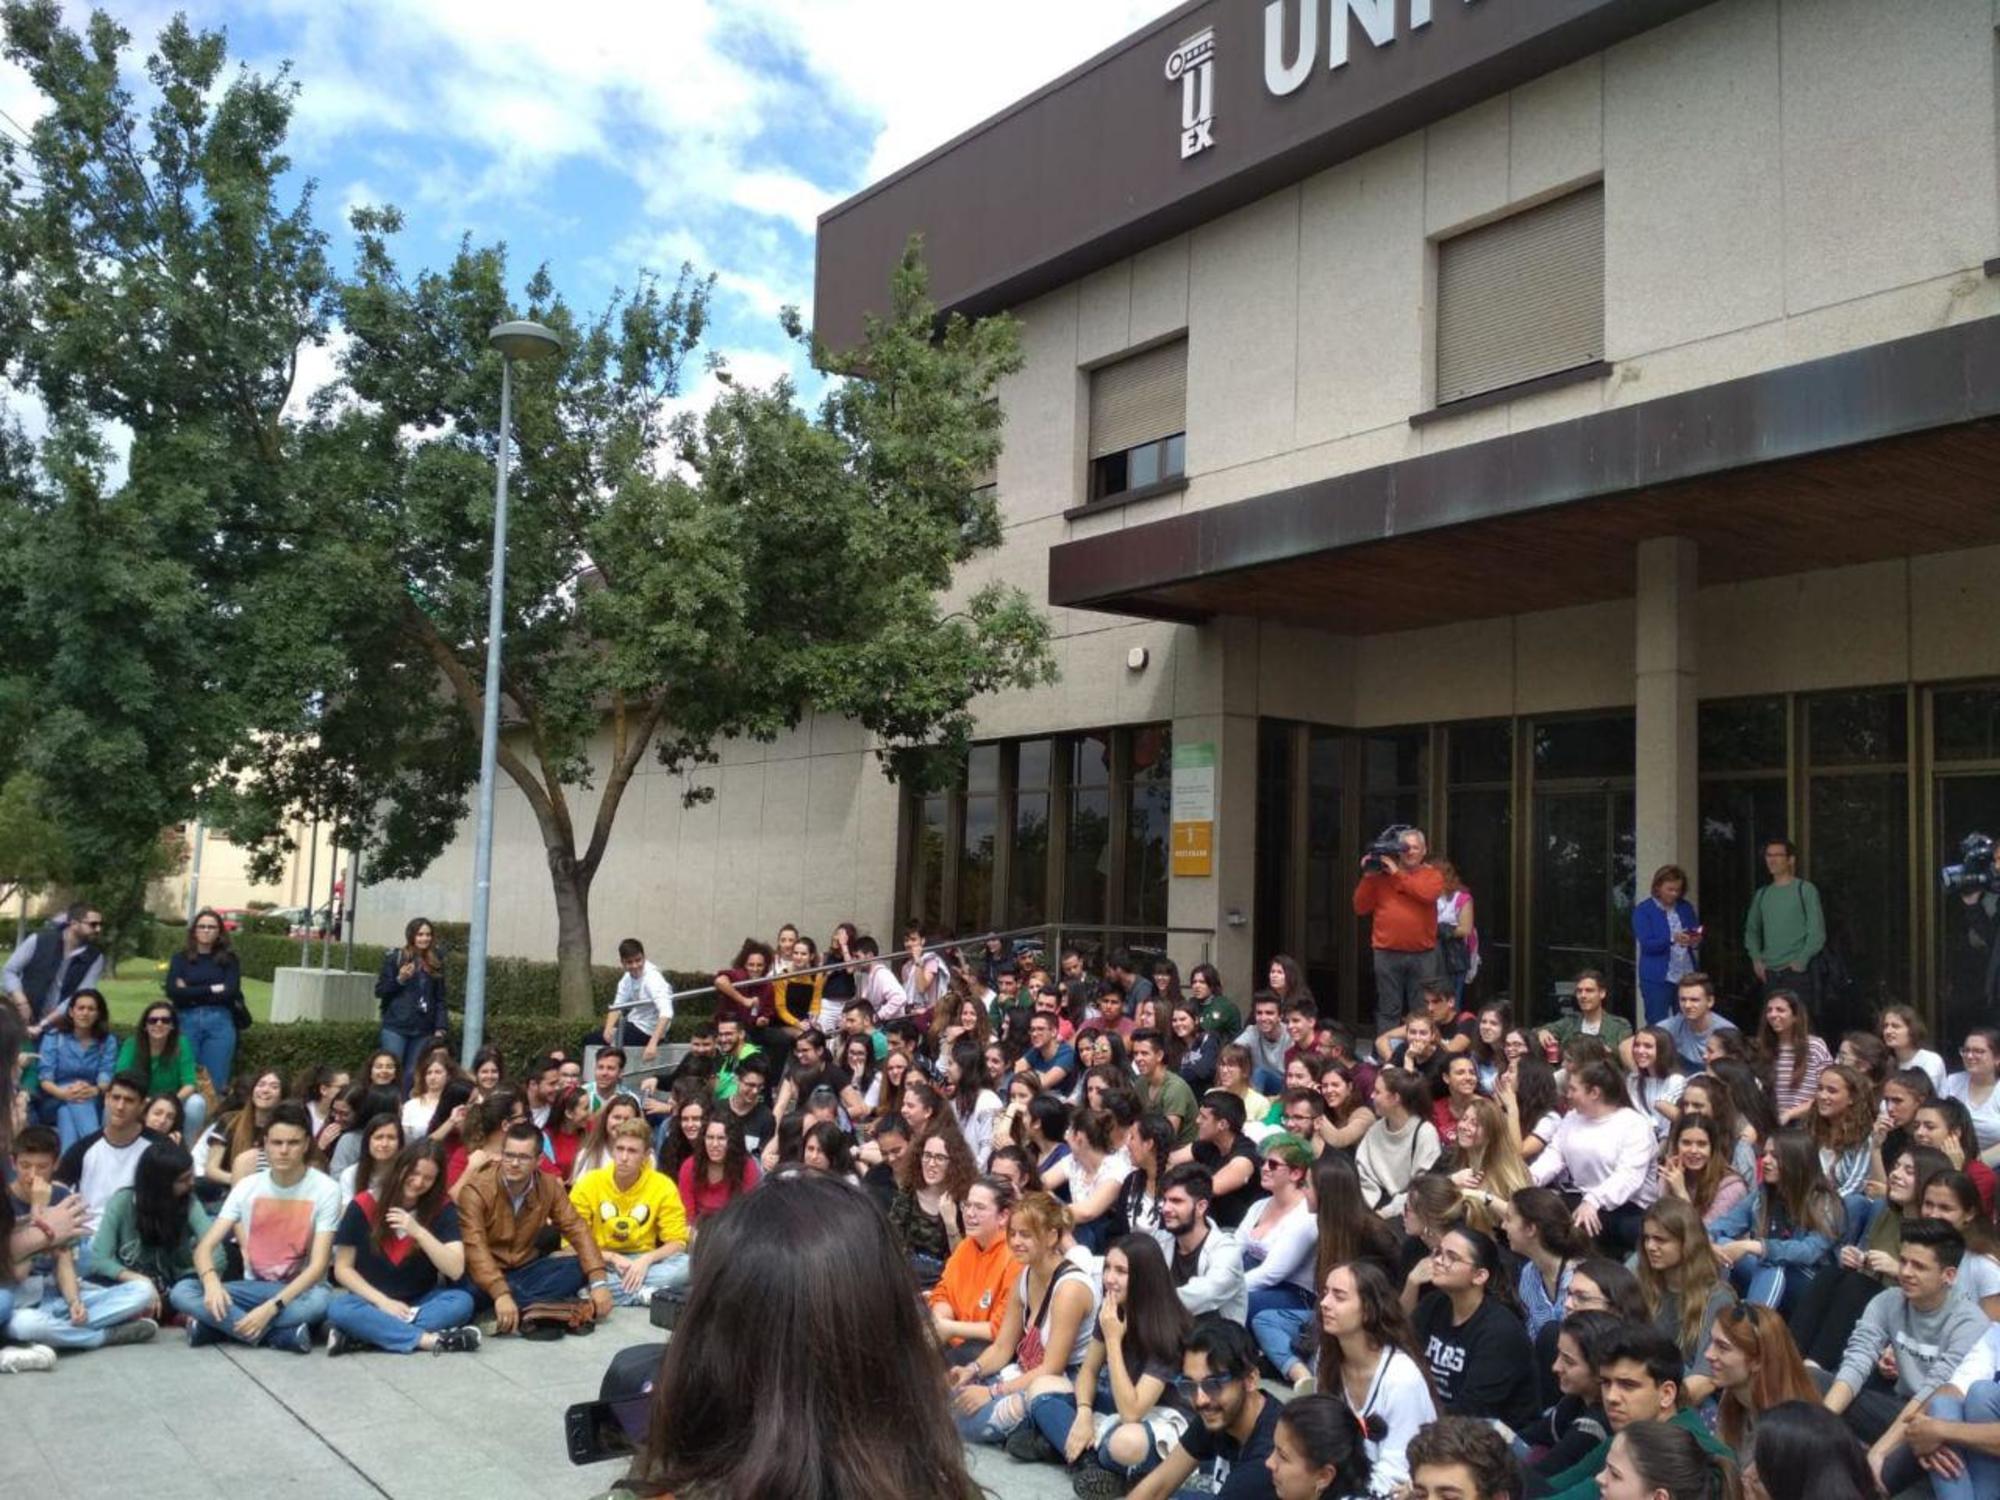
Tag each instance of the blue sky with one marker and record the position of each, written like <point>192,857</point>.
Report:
<point>607,136</point>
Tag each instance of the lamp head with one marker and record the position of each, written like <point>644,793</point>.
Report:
<point>523,340</point>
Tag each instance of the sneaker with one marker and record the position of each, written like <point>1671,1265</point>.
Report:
<point>1026,1445</point>
<point>464,1340</point>
<point>297,1339</point>
<point>199,1333</point>
<point>1090,1480</point>
<point>19,1359</point>
<point>339,1341</point>
<point>138,1331</point>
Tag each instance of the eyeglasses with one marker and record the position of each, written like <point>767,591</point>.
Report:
<point>520,1159</point>
<point>1450,1258</point>
<point>940,1157</point>
<point>1210,1387</point>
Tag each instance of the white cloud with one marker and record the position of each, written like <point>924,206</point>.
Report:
<point>782,195</point>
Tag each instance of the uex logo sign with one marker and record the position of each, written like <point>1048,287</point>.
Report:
<point>1192,63</point>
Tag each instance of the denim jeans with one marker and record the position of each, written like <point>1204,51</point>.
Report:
<point>308,1308</point>
<point>194,1115</point>
<point>550,1279</point>
<point>995,1420</point>
<point>357,1317</point>
<point>1277,1313</point>
<point>47,1322</point>
<point>1981,1478</point>
<point>406,1046</point>
<point>670,1274</point>
<point>211,1031</point>
<point>1774,1287</point>
<point>1055,1413</point>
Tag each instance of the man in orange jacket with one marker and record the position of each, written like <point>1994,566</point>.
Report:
<point>1401,896</point>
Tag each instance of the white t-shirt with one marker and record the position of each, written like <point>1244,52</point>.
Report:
<point>1985,1117</point>
<point>1978,1278</point>
<point>276,1225</point>
<point>1930,1063</point>
<point>96,1169</point>
<point>1401,1397</point>
<point>1648,1091</point>
<point>417,1117</point>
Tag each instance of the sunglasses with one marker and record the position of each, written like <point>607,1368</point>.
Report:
<point>159,1020</point>
<point>1209,1386</point>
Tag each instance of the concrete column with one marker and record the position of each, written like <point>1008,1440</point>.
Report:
<point>1208,901</point>
<point>1666,689</point>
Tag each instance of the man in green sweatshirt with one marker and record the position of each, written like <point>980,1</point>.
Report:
<point>1639,1374</point>
<point>1784,928</point>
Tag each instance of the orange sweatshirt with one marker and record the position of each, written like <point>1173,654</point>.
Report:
<point>1404,906</point>
<point>976,1284</point>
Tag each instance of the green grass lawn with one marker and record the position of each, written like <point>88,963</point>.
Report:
<point>140,982</point>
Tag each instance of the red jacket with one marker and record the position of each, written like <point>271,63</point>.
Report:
<point>1404,906</point>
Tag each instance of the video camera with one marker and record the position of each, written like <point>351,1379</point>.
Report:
<point>1385,850</point>
<point>1974,870</point>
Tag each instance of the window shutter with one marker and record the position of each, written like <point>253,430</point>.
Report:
<point>1139,400</point>
<point>1521,298</point>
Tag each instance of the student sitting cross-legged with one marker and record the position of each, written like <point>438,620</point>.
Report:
<point>634,1212</point>
<point>503,1211</point>
<point>53,1309</point>
<point>284,1217</point>
<point>394,1257</point>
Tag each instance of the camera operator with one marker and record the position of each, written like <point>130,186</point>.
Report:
<point>1972,979</point>
<point>1400,892</point>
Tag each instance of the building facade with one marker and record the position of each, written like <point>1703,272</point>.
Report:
<point>1567,425</point>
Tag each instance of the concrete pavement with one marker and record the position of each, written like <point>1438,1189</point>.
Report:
<point>174,1423</point>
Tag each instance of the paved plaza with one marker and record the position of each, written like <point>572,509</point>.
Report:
<point>174,1423</point>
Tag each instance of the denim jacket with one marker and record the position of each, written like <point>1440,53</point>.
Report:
<point>64,1059</point>
<point>1785,1244</point>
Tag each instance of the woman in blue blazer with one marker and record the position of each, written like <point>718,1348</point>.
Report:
<point>1668,931</point>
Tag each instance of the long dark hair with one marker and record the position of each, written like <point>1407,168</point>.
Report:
<point>429,957</point>
<point>1620,1287</point>
<point>158,1212</point>
<point>775,1384</point>
<point>1535,1092</point>
<point>735,1160</point>
<point>1747,1094</point>
<point>1383,1323</point>
<point>1329,1435</point>
<point>1156,1323</point>
<point>1803,1449</point>
<point>456,1092</point>
<point>391,1196</point>
<point>1486,1257</point>
<point>67,1020</point>
<point>143,1050</point>
<point>222,949</point>
<point>1348,1227</point>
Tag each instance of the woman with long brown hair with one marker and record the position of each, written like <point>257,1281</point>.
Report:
<point>932,1180</point>
<point>1683,1288</point>
<point>1790,1057</point>
<point>1756,1366</point>
<point>396,1258</point>
<point>1368,1356</point>
<point>1696,1169</point>
<point>205,984</point>
<point>775,1384</point>
<point>411,990</point>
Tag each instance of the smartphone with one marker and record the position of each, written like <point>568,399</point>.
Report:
<point>593,1434</point>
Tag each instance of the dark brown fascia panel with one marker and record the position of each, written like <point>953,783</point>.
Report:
<point>1087,171</point>
<point>1908,385</point>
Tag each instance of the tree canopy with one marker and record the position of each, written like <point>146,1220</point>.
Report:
<point>280,609</point>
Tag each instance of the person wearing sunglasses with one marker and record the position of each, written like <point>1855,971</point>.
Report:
<point>1229,1443</point>
<point>53,964</point>
<point>158,1050</point>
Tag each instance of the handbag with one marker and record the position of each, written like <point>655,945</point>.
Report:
<point>551,1320</point>
<point>1029,1351</point>
<point>239,1012</point>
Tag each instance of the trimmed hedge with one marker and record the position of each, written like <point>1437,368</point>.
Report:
<point>515,987</point>
<point>347,1044</point>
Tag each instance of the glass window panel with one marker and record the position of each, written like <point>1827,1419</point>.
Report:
<point>1142,465</point>
<point>1965,932</point>
<point>1393,761</point>
<point>982,769</point>
<point>1584,749</point>
<point>1968,726</point>
<point>1857,729</point>
<point>927,861</point>
<point>975,862</point>
<point>1737,818</point>
<point>1583,868</point>
<point>1028,861</point>
<point>1742,734</point>
<point>1087,871</point>
<point>1148,832</point>
<point>1174,464</point>
<point>1480,843</point>
<point>1275,836</point>
<point>1090,760</point>
<point>1034,765</point>
<point>1480,752</point>
<point>1329,881</point>
<point>1860,832</point>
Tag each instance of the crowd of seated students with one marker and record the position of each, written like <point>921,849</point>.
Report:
<point>1126,1217</point>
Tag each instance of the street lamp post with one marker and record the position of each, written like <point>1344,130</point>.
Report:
<point>514,341</point>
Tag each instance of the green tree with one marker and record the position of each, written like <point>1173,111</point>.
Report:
<point>276,612</point>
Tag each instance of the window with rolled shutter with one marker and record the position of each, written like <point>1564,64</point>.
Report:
<point>1521,298</point>
<point>1138,400</point>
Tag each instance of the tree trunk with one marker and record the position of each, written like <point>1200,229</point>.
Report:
<point>572,888</point>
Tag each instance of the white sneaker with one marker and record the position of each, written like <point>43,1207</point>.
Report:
<point>19,1359</point>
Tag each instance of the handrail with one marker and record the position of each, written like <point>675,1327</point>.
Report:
<point>974,941</point>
